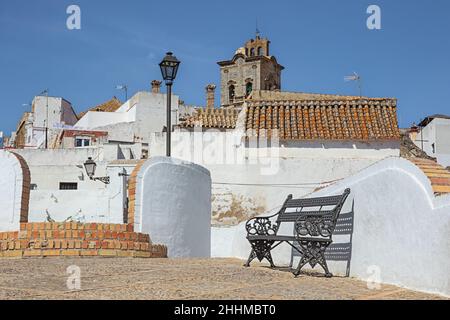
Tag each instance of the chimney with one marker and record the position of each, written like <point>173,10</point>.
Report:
<point>156,86</point>
<point>210,91</point>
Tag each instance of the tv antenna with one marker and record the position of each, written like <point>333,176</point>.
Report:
<point>355,77</point>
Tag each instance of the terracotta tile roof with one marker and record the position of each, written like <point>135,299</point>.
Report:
<point>108,106</point>
<point>291,95</point>
<point>220,118</point>
<point>438,175</point>
<point>359,119</point>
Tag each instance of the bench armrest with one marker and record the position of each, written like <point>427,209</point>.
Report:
<point>316,225</point>
<point>262,226</point>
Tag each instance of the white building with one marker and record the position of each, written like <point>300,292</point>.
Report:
<point>433,137</point>
<point>39,128</point>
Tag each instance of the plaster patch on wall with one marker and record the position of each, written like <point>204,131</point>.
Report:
<point>230,209</point>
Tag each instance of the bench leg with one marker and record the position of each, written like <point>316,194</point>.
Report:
<point>301,264</point>
<point>269,258</point>
<point>313,253</point>
<point>323,263</point>
<point>250,258</point>
<point>261,250</point>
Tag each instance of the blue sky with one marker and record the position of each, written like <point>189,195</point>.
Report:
<point>319,42</point>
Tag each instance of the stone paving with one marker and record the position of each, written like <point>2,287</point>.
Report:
<point>125,278</point>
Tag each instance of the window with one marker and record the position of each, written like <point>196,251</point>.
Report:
<point>433,147</point>
<point>248,88</point>
<point>252,52</point>
<point>68,186</point>
<point>82,142</point>
<point>231,93</point>
<point>260,51</point>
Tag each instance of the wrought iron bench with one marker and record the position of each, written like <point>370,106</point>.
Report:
<point>314,222</point>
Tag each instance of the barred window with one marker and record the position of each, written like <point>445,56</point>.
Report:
<point>68,186</point>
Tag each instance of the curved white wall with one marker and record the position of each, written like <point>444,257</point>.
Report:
<point>401,228</point>
<point>11,184</point>
<point>173,205</point>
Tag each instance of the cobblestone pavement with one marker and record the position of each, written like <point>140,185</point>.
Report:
<point>122,278</point>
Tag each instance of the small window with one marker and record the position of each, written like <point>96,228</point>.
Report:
<point>68,186</point>
<point>433,147</point>
<point>231,93</point>
<point>248,88</point>
<point>82,142</point>
<point>33,186</point>
<point>260,51</point>
<point>252,52</point>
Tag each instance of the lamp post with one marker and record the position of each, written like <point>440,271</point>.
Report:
<point>169,68</point>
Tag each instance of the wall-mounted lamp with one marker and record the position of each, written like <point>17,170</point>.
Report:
<point>90,167</point>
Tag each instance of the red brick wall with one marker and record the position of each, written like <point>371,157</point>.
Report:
<point>132,193</point>
<point>75,239</point>
<point>26,182</point>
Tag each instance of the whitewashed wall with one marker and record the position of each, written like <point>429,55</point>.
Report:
<point>401,229</point>
<point>93,201</point>
<point>11,191</point>
<point>248,180</point>
<point>173,205</point>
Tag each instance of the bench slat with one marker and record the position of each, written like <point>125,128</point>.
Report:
<point>314,202</point>
<point>293,216</point>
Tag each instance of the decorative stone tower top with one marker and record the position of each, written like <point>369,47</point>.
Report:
<point>257,47</point>
<point>252,68</point>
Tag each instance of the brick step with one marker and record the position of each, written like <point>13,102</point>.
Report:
<point>440,181</point>
<point>422,161</point>
<point>81,234</point>
<point>37,226</point>
<point>155,252</point>
<point>428,167</point>
<point>441,189</point>
<point>437,175</point>
<point>47,239</point>
<point>14,244</point>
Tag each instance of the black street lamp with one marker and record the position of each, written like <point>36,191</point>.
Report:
<point>90,166</point>
<point>169,68</point>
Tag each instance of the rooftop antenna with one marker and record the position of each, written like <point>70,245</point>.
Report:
<point>125,88</point>
<point>355,77</point>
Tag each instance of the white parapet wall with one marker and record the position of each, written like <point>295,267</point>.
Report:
<point>173,205</point>
<point>401,229</point>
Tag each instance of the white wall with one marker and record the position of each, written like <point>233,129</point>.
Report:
<point>248,180</point>
<point>94,119</point>
<point>11,182</point>
<point>436,133</point>
<point>142,115</point>
<point>173,205</point>
<point>401,228</point>
<point>100,203</point>
<point>93,201</point>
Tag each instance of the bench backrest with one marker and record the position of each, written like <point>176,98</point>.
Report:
<point>292,209</point>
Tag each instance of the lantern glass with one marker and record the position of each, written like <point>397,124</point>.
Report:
<point>169,67</point>
<point>90,167</point>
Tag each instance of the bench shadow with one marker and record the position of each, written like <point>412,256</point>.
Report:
<point>341,251</point>
<point>307,273</point>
